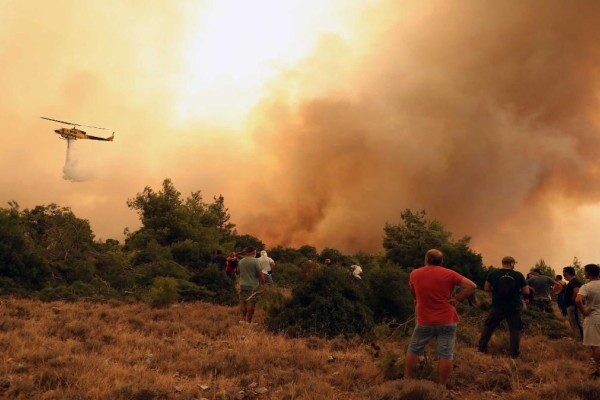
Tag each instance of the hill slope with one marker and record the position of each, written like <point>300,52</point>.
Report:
<point>196,350</point>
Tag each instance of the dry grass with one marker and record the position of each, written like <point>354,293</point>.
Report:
<point>195,351</point>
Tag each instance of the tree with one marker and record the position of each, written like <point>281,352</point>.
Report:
<point>191,228</point>
<point>57,231</point>
<point>578,270</point>
<point>21,265</point>
<point>406,243</point>
<point>544,268</point>
<point>243,241</point>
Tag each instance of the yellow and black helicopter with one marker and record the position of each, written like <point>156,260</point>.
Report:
<point>74,133</point>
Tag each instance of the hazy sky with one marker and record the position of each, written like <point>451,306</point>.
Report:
<point>318,123</point>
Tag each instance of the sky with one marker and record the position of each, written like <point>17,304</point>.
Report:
<point>319,122</point>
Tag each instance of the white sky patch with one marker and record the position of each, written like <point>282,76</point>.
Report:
<point>236,47</point>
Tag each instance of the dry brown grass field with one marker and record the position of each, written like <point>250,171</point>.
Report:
<point>118,350</point>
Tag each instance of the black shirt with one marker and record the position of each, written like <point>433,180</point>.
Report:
<point>573,283</point>
<point>220,260</point>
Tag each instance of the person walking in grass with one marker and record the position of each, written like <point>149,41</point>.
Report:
<point>432,287</point>
<point>571,291</point>
<point>507,287</point>
<point>251,277</point>
<point>588,302</point>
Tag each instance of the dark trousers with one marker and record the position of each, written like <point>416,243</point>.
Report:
<point>495,317</point>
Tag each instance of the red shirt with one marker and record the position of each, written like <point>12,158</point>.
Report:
<point>433,287</point>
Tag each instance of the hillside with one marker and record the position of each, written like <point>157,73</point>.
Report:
<point>197,350</point>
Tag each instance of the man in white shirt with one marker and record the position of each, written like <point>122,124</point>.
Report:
<point>588,302</point>
<point>267,264</point>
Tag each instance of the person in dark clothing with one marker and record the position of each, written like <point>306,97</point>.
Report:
<point>220,260</point>
<point>543,286</point>
<point>571,291</point>
<point>559,291</point>
<point>507,287</point>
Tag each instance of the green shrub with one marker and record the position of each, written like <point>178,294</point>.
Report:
<point>287,275</point>
<point>55,293</point>
<point>164,268</point>
<point>162,293</point>
<point>327,304</point>
<point>218,287</point>
<point>189,291</point>
<point>388,294</point>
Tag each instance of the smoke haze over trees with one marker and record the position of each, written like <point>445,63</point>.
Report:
<point>485,115</point>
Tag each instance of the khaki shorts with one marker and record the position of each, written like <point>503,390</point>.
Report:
<point>591,335</point>
<point>250,297</point>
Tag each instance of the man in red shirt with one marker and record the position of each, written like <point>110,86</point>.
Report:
<point>432,287</point>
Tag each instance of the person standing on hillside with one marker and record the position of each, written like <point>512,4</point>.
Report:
<point>559,291</point>
<point>571,291</point>
<point>507,287</point>
<point>251,277</point>
<point>232,264</point>
<point>588,302</point>
<point>220,260</point>
<point>542,286</point>
<point>267,264</point>
<point>431,287</point>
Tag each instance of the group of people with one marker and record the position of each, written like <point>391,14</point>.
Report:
<point>254,271</point>
<point>434,290</point>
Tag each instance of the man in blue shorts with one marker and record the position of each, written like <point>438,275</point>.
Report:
<point>432,287</point>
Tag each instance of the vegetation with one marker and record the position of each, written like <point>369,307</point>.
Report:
<point>129,350</point>
<point>157,304</point>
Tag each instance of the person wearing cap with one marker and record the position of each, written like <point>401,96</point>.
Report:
<point>505,306</point>
<point>543,286</point>
<point>431,287</point>
<point>251,278</point>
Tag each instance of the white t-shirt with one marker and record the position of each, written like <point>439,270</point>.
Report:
<point>591,293</point>
<point>266,263</point>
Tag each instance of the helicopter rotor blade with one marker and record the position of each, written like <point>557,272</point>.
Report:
<point>72,123</point>
<point>62,122</point>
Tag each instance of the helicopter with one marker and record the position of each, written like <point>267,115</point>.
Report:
<point>74,133</point>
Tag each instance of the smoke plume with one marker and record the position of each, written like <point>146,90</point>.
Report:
<point>484,114</point>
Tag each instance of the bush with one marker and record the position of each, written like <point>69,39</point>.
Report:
<point>189,291</point>
<point>218,287</point>
<point>287,275</point>
<point>329,303</point>
<point>162,293</point>
<point>55,293</point>
<point>388,294</point>
<point>146,273</point>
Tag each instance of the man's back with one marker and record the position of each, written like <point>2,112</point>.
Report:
<point>542,286</point>
<point>433,286</point>
<point>511,300</point>
<point>249,268</point>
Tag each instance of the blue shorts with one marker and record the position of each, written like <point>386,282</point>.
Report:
<point>445,335</point>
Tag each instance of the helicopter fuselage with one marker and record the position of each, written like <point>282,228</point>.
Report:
<point>74,134</point>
